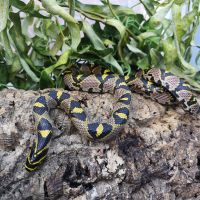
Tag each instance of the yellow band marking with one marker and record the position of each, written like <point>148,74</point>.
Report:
<point>104,76</point>
<point>77,110</point>
<point>36,145</point>
<point>99,130</point>
<point>149,83</point>
<point>39,152</point>
<point>185,84</point>
<point>45,133</point>
<point>37,162</point>
<point>106,71</point>
<point>38,104</point>
<point>30,169</point>
<point>123,83</point>
<point>79,76</point>
<point>122,115</point>
<point>59,93</point>
<point>124,99</point>
<point>126,78</point>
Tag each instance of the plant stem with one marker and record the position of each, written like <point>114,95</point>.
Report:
<point>100,19</point>
<point>72,7</point>
<point>146,7</point>
<point>111,9</point>
<point>53,8</point>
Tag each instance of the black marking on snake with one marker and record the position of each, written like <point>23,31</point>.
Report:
<point>75,104</point>
<point>119,80</point>
<point>64,96</point>
<point>53,94</point>
<point>40,106</point>
<point>79,114</point>
<point>191,101</point>
<point>99,134</point>
<point>125,99</point>
<point>32,161</point>
<point>121,115</point>
<point>103,80</point>
<point>44,124</point>
<point>44,133</point>
<point>125,87</point>
<point>90,90</point>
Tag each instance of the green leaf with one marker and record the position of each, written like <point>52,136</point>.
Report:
<point>170,51</point>
<point>179,2</point>
<point>57,45</point>
<point>133,22</point>
<point>4,10</point>
<point>178,33</point>
<point>30,73</point>
<point>27,8</point>
<point>188,19</point>
<point>7,47</point>
<point>146,35</point>
<point>111,60</point>
<point>53,8</point>
<point>96,41</point>
<point>161,13</point>
<point>63,59</point>
<point>45,79</point>
<point>16,66</point>
<point>118,25</point>
<point>143,63</point>
<point>176,9</point>
<point>16,33</point>
<point>75,35</point>
<point>135,50</point>
<point>155,57</point>
<point>98,45</point>
<point>20,43</point>
<point>149,6</point>
<point>40,45</point>
<point>101,11</point>
<point>3,74</point>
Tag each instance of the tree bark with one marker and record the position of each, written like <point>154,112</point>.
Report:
<point>156,155</point>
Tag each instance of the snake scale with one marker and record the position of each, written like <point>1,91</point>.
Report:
<point>158,84</point>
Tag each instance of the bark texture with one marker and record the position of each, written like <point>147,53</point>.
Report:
<point>156,156</point>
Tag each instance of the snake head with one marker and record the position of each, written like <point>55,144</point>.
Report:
<point>35,158</point>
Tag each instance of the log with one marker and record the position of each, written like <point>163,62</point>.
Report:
<point>156,155</point>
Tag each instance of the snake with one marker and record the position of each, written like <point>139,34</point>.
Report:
<point>160,85</point>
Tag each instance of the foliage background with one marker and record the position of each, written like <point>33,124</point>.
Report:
<point>39,40</point>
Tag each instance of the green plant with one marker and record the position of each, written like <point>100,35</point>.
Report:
<point>118,38</point>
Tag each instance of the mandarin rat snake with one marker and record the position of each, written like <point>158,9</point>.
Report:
<point>159,85</point>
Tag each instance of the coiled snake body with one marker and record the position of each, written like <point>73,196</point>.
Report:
<point>157,84</point>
